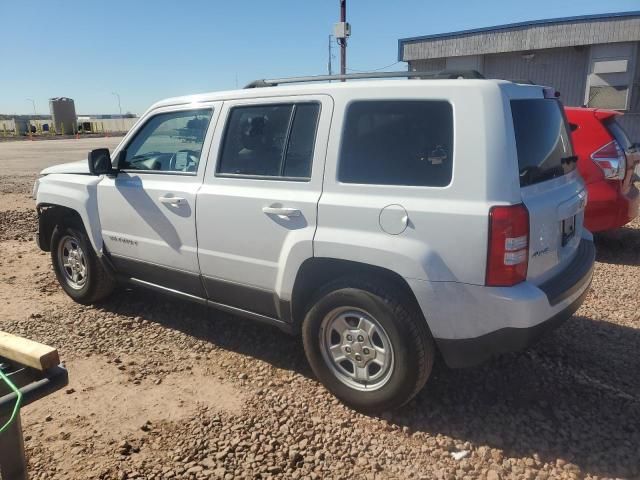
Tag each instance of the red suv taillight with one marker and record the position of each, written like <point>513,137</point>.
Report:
<point>508,255</point>
<point>611,160</point>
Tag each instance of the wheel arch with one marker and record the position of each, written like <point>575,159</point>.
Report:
<point>49,216</point>
<point>317,271</point>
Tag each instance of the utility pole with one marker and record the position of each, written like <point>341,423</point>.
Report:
<point>343,40</point>
<point>330,70</point>
<point>119,109</point>
<point>34,105</point>
<point>342,31</point>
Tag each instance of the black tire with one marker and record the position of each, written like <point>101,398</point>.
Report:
<point>98,283</point>
<point>405,327</point>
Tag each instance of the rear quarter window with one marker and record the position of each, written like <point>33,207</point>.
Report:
<point>397,142</point>
<point>542,140</point>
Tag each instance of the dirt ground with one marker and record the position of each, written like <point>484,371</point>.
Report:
<point>161,388</point>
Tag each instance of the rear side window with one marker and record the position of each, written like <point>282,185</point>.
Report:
<point>542,140</point>
<point>270,141</point>
<point>397,142</point>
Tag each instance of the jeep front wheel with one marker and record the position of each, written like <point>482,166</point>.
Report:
<point>77,267</point>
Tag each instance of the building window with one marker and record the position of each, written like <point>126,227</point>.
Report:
<point>606,96</point>
<point>608,84</point>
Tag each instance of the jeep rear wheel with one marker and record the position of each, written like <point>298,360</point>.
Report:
<point>76,265</point>
<point>367,344</point>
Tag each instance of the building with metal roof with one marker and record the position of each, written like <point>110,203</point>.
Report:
<point>592,60</point>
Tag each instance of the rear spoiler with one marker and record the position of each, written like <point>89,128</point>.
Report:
<point>602,114</point>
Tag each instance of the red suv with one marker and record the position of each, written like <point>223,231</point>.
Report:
<point>606,161</point>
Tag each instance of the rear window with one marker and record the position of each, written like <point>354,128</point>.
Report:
<point>397,142</point>
<point>543,143</point>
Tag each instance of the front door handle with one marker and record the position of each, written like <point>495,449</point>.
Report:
<point>282,211</point>
<point>173,200</point>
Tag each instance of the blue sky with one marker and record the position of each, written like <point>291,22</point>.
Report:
<point>147,51</point>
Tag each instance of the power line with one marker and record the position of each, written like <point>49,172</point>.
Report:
<point>373,69</point>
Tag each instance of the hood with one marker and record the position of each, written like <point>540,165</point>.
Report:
<point>81,167</point>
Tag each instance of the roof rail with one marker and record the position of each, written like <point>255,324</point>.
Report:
<point>358,76</point>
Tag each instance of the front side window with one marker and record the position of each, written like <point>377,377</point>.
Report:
<point>270,141</point>
<point>168,142</point>
<point>397,142</point>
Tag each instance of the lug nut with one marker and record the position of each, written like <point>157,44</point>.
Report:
<point>358,357</point>
<point>360,338</point>
<point>365,351</point>
<point>347,349</point>
<point>350,338</point>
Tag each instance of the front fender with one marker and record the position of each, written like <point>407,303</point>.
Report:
<point>78,193</point>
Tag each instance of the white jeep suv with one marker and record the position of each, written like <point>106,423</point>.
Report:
<point>383,220</point>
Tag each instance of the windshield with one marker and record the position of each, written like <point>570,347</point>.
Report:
<point>542,140</point>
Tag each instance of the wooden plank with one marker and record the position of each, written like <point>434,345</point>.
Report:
<point>27,352</point>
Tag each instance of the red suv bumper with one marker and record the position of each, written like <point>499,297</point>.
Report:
<point>608,207</point>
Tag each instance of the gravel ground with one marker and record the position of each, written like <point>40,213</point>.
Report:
<point>160,388</point>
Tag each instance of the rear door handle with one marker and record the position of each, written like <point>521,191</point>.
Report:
<point>172,200</point>
<point>282,211</point>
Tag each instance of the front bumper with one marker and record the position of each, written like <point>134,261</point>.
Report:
<point>482,322</point>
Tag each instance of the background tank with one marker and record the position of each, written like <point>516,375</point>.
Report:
<point>63,112</point>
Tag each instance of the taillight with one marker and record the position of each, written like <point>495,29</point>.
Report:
<point>508,255</point>
<point>612,160</point>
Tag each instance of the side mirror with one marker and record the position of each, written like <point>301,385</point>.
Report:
<point>100,161</point>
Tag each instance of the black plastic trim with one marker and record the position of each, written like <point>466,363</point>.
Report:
<point>282,325</point>
<point>39,236</point>
<point>469,352</point>
<point>284,311</point>
<point>253,302</point>
<point>571,279</point>
<point>166,290</point>
<point>46,224</point>
<point>179,280</point>
<point>241,296</point>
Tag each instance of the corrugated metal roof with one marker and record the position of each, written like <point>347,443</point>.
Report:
<point>474,41</point>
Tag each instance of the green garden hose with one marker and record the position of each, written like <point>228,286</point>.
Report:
<point>16,407</point>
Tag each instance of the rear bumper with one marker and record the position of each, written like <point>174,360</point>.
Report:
<point>608,207</point>
<point>467,352</point>
<point>472,323</point>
